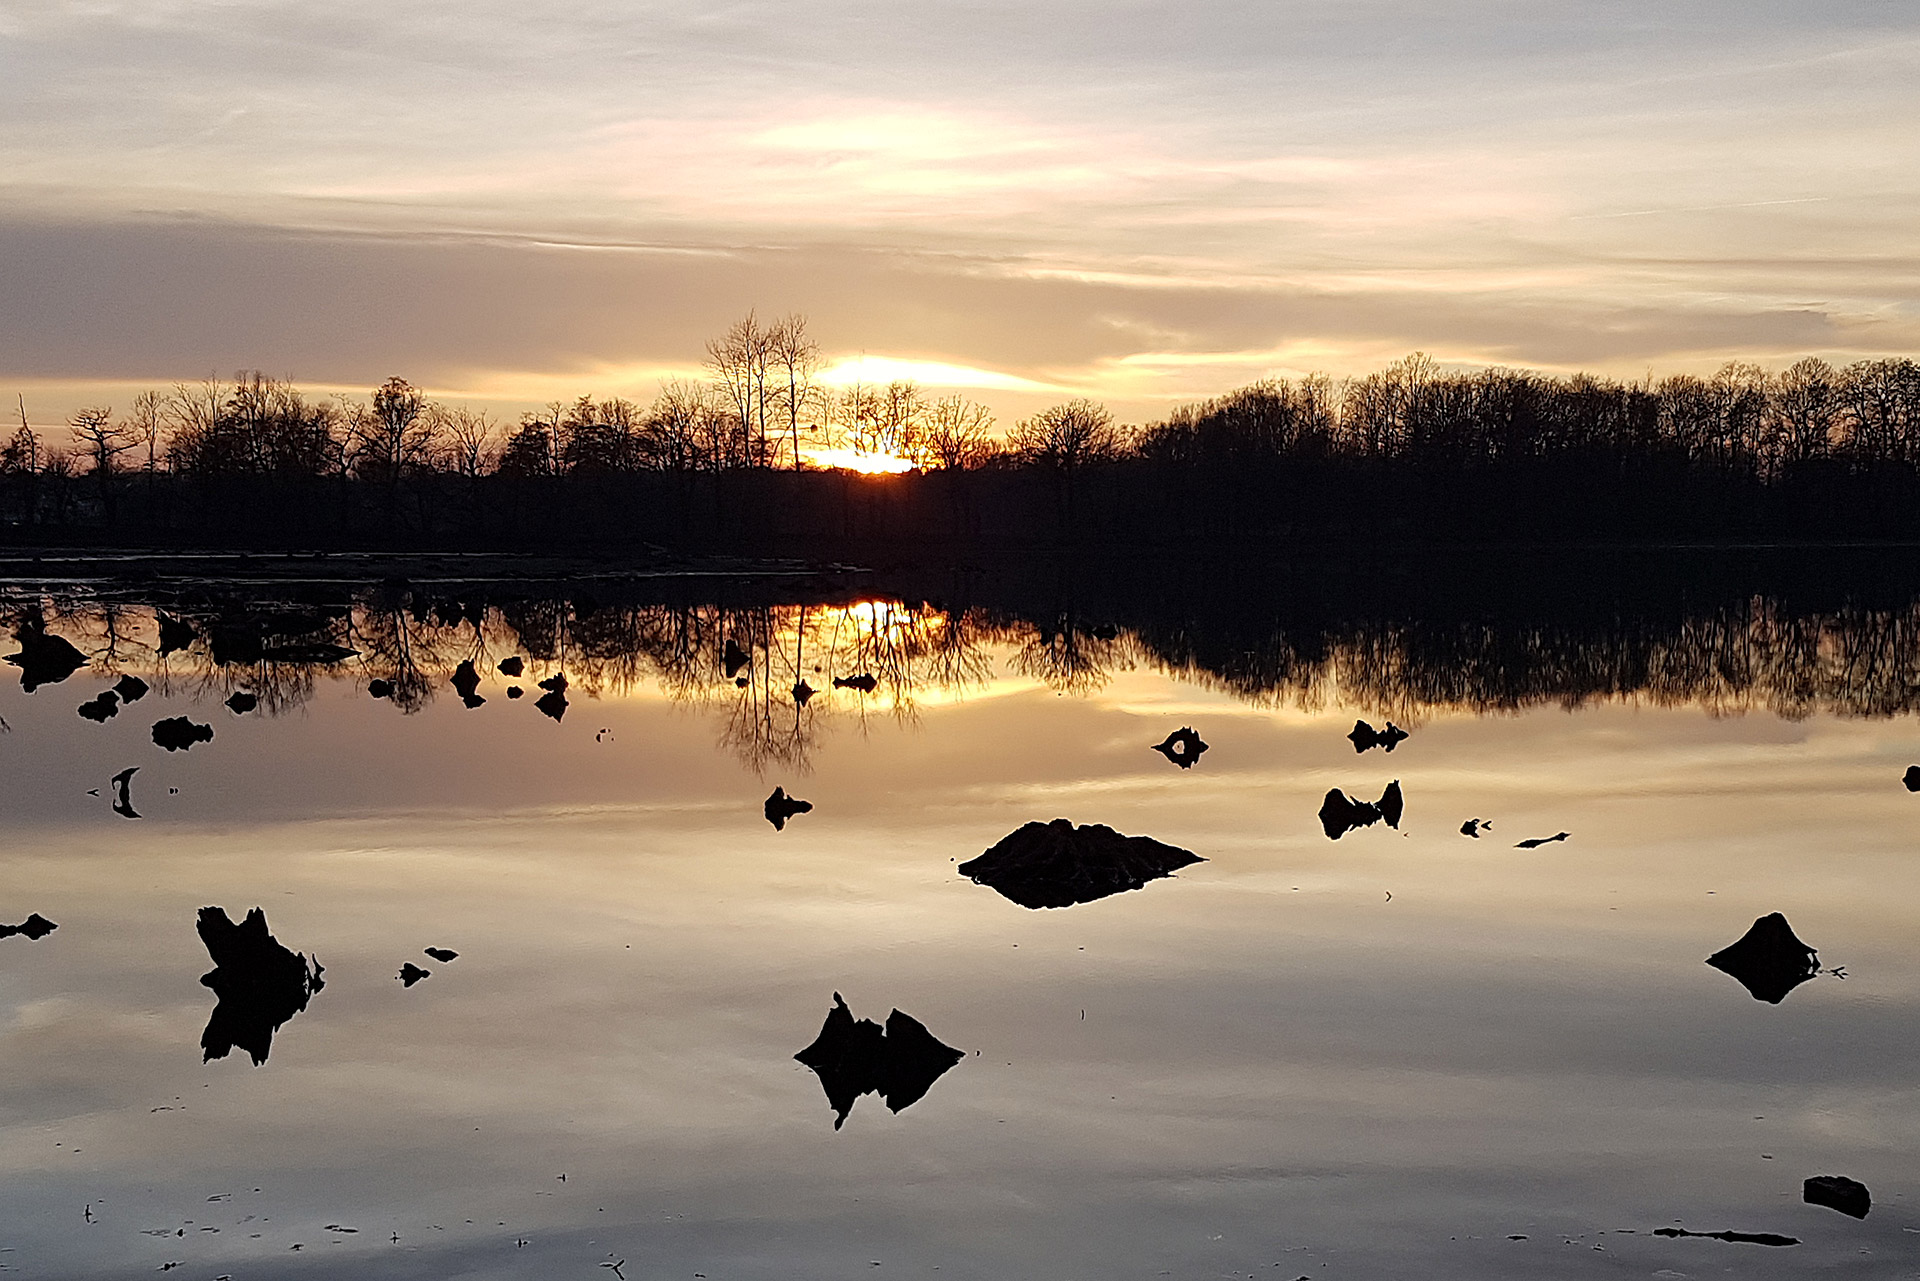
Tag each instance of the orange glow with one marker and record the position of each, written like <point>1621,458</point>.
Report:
<point>854,460</point>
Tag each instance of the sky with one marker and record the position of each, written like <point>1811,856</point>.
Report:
<point>1147,201</point>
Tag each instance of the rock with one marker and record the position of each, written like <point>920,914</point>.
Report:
<point>1059,865</point>
<point>1768,960</point>
<point>411,974</point>
<point>1340,814</point>
<point>852,1057</point>
<point>1837,1192</point>
<point>864,682</point>
<point>35,926</point>
<point>1183,747</point>
<point>259,982</point>
<point>177,734</point>
<point>442,954</point>
<point>102,707</point>
<point>131,689</point>
<point>43,659</point>
<point>553,703</point>
<point>241,702</point>
<point>780,807</point>
<point>511,666</point>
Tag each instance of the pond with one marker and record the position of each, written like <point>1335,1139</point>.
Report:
<point>1407,1049</point>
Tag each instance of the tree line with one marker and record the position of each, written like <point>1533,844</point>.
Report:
<point>1744,448</point>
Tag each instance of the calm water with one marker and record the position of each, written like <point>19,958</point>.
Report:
<point>1402,1053</point>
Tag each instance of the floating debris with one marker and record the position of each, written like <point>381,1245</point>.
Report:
<point>1747,1238</point>
<point>1534,843</point>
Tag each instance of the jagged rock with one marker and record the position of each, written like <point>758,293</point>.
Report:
<point>1768,960</point>
<point>1837,1192</point>
<point>853,1057</point>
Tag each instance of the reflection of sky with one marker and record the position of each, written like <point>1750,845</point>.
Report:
<point>1275,1064</point>
<point>1140,200</point>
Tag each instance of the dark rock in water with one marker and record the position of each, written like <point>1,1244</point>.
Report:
<point>241,702</point>
<point>43,659</point>
<point>177,733</point>
<point>802,692</point>
<point>175,634</point>
<point>1768,959</point>
<point>864,682</point>
<point>1912,779</point>
<point>307,652</point>
<point>261,984</point>
<point>1182,747</point>
<point>514,691</point>
<point>734,658</point>
<point>1340,814</point>
<point>131,689</point>
<point>511,666</point>
<point>1058,865</point>
<point>466,681</point>
<point>553,703</point>
<point>555,683</point>
<point>411,974</point>
<point>1473,827</point>
<point>1365,737</point>
<point>741,682</point>
<point>442,954</point>
<point>853,1057</point>
<point>35,926</point>
<point>1837,1192</point>
<point>1537,841</point>
<point>380,688</point>
<point>1744,1238</point>
<point>102,707</point>
<point>780,807</point>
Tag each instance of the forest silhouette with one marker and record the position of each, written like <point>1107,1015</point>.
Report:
<point>763,457</point>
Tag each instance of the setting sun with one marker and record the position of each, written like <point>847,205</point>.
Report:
<point>854,460</point>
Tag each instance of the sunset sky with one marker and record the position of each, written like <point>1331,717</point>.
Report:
<point>1145,202</point>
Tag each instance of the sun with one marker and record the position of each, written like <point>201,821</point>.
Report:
<point>854,460</point>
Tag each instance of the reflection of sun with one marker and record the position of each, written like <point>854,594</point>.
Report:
<point>854,460</point>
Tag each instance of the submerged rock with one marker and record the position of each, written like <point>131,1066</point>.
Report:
<point>1837,1192</point>
<point>177,733</point>
<point>853,1057</point>
<point>260,984</point>
<point>1059,865</point>
<point>1768,960</point>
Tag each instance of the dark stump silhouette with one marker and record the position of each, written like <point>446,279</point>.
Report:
<point>853,1057</point>
<point>35,926</point>
<point>177,733</point>
<point>1768,960</point>
<point>734,658</point>
<point>466,683</point>
<point>552,703</point>
<point>240,702</point>
<point>441,954</point>
<point>1340,814</point>
<point>802,692</point>
<point>1059,865</point>
<point>130,688</point>
<point>1912,778</point>
<point>1183,747</point>
<point>514,691</point>
<point>259,982</point>
<point>511,666</point>
<point>102,707</point>
<point>1837,1192</point>
<point>780,807</point>
<point>43,659</point>
<point>380,689</point>
<point>864,682</point>
<point>1365,737</point>
<point>411,974</point>
<point>1474,826</point>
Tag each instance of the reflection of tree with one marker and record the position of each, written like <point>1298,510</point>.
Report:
<point>1069,658</point>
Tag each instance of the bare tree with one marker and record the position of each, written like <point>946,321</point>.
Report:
<point>958,434</point>
<point>467,440</point>
<point>739,362</point>
<point>1068,437</point>
<point>795,359</point>
<point>101,441</point>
